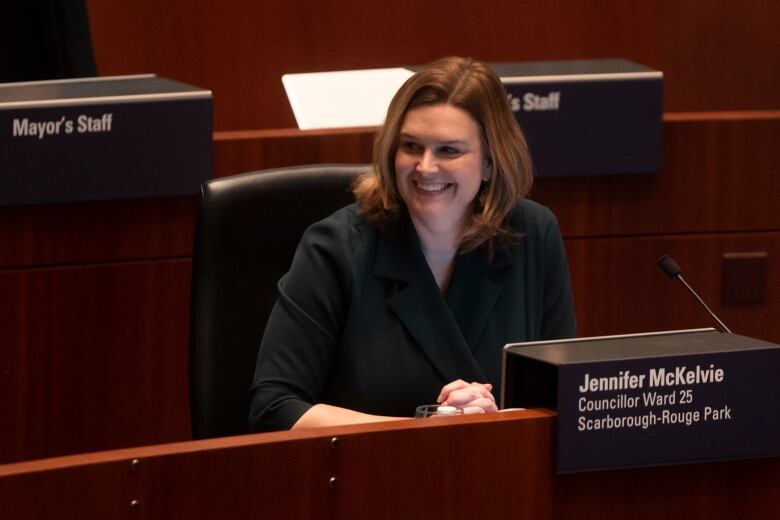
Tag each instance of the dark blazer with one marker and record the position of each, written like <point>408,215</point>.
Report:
<point>360,322</point>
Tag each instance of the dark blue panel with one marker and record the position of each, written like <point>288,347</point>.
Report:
<point>604,127</point>
<point>99,151</point>
<point>652,400</point>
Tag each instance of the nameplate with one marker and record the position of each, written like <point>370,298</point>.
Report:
<point>651,399</point>
<point>588,117</point>
<point>103,138</point>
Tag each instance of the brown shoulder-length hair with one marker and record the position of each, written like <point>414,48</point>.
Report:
<point>472,86</point>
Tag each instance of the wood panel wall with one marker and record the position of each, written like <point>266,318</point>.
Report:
<point>94,297</point>
<point>716,55</point>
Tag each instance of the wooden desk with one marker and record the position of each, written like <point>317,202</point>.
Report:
<point>494,467</point>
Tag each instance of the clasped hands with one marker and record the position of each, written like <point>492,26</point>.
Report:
<point>470,397</point>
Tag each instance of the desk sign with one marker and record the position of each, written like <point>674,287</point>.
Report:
<point>588,117</point>
<point>651,399</point>
<point>104,138</point>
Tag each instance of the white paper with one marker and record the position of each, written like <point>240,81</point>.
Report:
<point>343,99</point>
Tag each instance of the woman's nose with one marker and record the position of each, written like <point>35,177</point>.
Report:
<point>428,163</point>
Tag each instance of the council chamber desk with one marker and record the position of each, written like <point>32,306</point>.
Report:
<point>495,466</point>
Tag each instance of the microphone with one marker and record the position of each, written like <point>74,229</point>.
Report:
<point>671,268</point>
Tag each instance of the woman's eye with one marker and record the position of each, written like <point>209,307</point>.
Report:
<point>408,146</point>
<point>448,150</point>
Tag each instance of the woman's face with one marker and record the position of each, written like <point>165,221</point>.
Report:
<point>439,166</point>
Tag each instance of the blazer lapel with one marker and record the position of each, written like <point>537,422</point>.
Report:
<point>472,295</point>
<point>421,309</point>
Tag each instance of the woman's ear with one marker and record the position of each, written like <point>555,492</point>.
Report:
<point>487,170</point>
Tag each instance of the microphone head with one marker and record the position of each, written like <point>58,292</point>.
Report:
<point>669,266</point>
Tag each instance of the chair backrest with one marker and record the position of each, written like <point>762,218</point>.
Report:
<point>247,228</point>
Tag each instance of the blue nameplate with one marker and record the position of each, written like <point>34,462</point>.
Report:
<point>651,399</point>
<point>103,138</point>
<point>588,117</point>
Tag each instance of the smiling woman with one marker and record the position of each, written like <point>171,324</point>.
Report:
<point>439,167</point>
<point>409,295</point>
<point>475,91</point>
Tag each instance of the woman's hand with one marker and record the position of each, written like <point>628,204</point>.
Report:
<point>471,397</point>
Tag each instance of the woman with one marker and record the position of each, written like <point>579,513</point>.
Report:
<point>409,295</point>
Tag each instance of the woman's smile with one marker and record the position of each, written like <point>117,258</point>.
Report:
<point>439,166</point>
<point>432,188</point>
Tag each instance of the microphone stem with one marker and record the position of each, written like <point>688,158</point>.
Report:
<point>721,325</point>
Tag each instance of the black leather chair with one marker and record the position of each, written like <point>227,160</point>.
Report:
<point>247,228</point>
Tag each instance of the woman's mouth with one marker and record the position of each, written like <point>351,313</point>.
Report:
<point>432,187</point>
